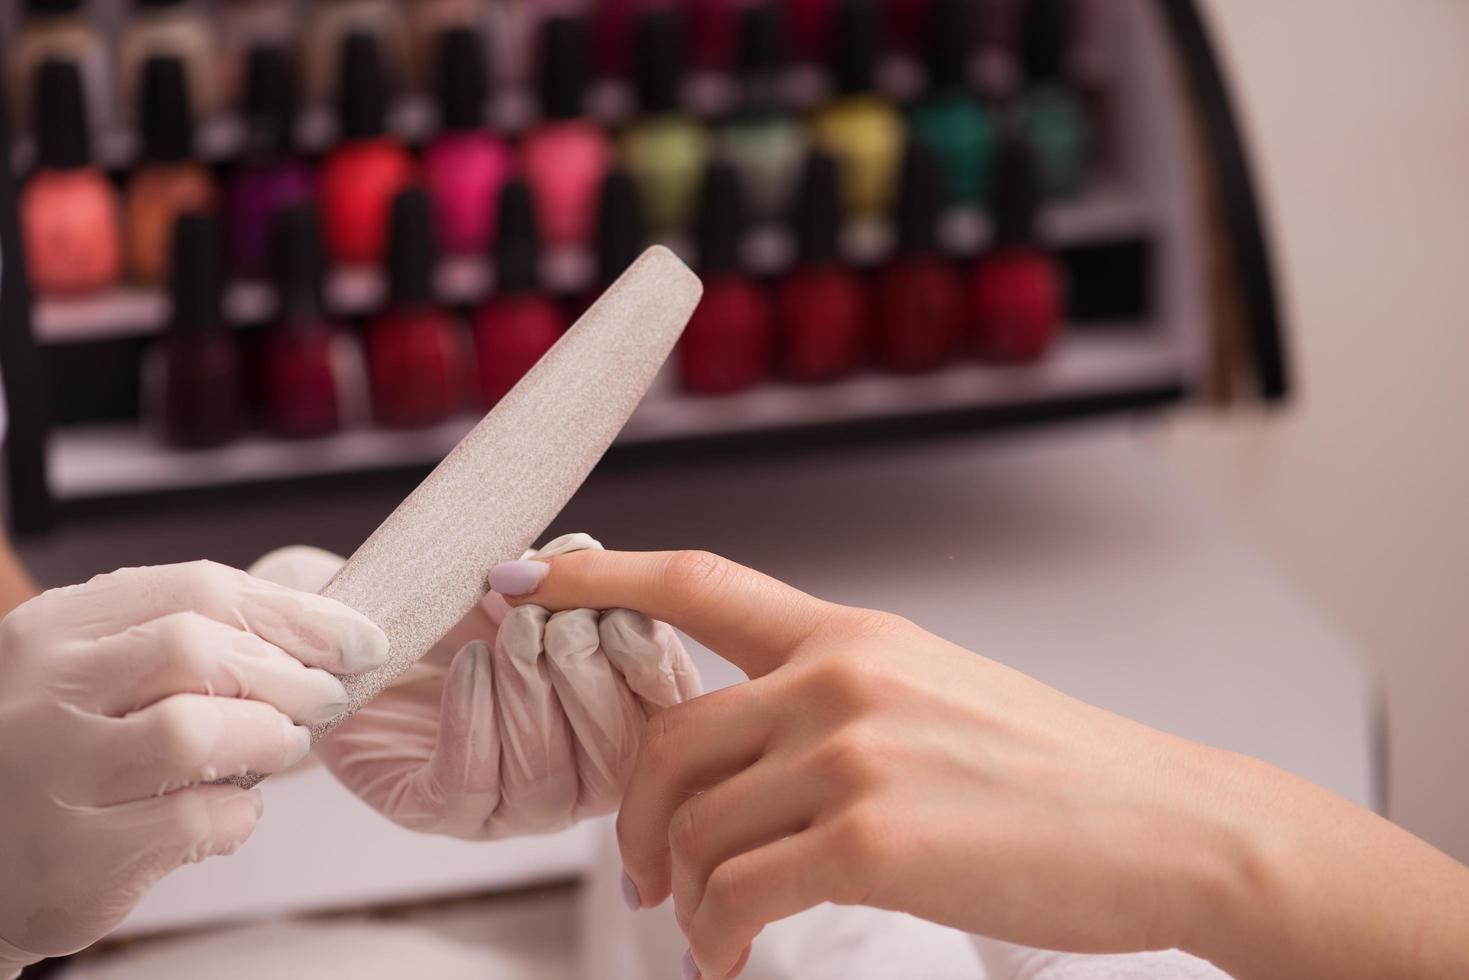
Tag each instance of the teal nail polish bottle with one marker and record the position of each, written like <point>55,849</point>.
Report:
<point>950,119</point>
<point>1049,113</point>
<point>766,147</point>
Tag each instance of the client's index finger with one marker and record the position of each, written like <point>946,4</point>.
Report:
<point>752,620</point>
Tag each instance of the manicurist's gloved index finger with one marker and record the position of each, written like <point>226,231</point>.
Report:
<point>752,620</point>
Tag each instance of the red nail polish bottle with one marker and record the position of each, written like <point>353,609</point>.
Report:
<point>519,323</point>
<point>921,309</point>
<point>821,306</point>
<point>298,383</point>
<point>203,383</point>
<point>414,348</point>
<point>621,234</point>
<point>361,176</point>
<point>1015,293</point>
<point>728,343</point>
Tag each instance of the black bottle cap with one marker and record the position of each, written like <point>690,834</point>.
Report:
<point>659,67</point>
<point>856,45</point>
<point>363,88</point>
<point>562,67</point>
<point>412,251</point>
<point>53,8</point>
<point>950,42</point>
<point>270,101</point>
<point>463,79</point>
<point>1046,39</point>
<point>762,45</point>
<point>517,240</point>
<point>296,261</point>
<point>722,221</point>
<point>167,116</point>
<point>819,209</point>
<point>922,197</point>
<point>196,279</point>
<point>160,4</point>
<point>621,230</point>
<point>1017,193</point>
<point>62,140</point>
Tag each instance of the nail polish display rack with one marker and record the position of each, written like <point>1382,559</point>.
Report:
<point>1167,204</point>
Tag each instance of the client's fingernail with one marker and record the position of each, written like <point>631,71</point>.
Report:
<point>630,896</point>
<point>688,967</point>
<point>515,578</point>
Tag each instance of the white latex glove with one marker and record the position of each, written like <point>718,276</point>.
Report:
<point>121,701</point>
<point>517,722</point>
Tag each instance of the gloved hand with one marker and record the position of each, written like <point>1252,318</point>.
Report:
<point>517,722</point>
<point>121,701</point>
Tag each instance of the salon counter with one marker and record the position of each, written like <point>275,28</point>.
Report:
<point>1074,556</point>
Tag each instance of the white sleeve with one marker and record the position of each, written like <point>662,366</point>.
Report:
<point>1003,961</point>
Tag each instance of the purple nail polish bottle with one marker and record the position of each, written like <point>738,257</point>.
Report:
<point>269,177</point>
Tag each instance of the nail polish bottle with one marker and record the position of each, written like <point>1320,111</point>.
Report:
<point>171,29</point>
<point>566,155</point>
<point>414,348</point>
<point>766,145</point>
<point>465,167</point>
<point>951,118</point>
<point>298,389</point>
<point>328,25</point>
<point>820,311</point>
<point>245,25</point>
<point>428,22</point>
<point>203,372</point>
<point>665,149</point>
<point>168,182</point>
<point>361,176</point>
<point>921,311</point>
<point>859,128</point>
<point>1015,293</point>
<point>269,176</point>
<point>621,235</point>
<point>57,30</point>
<point>1049,113</point>
<point>728,343</point>
<point>520,322</point>
<point>68,208</point>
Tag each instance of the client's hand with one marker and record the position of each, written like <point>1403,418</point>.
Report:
<point>517,722</point>
<point>869,762</point>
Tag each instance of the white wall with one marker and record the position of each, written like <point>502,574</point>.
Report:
<point>1358,116</point>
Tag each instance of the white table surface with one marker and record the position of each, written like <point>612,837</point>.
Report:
<point>1073,556</point>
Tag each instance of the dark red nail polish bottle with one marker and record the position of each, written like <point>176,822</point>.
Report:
<point>203,375</point>
<point>361,175</point>
<point>621,234</point>
<point>520,322</point>
<point>921,308</point>
<point>728,343</point>
<point>415,349</point>
<point>821,306</point>
<point>298,386</point>
<point>1015,293</point>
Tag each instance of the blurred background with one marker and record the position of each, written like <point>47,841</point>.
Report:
<point>1121,340</point>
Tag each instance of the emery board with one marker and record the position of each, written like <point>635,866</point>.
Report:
<point>495,493</point>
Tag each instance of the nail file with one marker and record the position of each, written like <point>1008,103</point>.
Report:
<point>499,489</point>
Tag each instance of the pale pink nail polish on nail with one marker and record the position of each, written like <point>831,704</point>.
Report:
<point>688,967</point>
<point>630,896</point>
<point>515,578</point>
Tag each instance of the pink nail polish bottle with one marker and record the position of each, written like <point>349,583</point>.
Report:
<point>565,157</point>
<point>68,210</point>
<point>466,166</point>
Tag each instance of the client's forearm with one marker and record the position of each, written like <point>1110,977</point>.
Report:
<point>1322,887</point>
